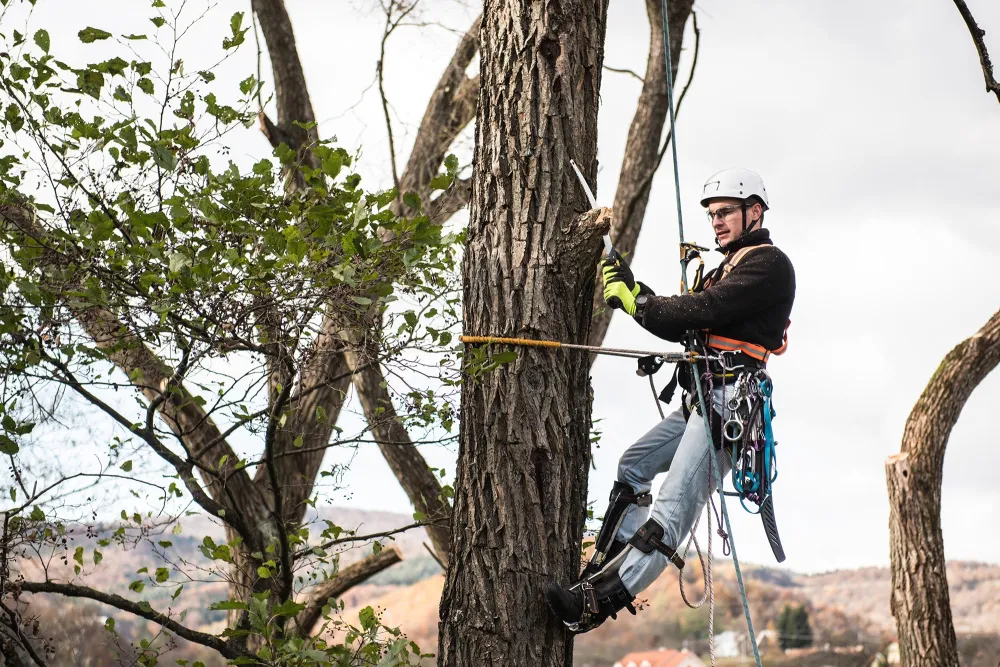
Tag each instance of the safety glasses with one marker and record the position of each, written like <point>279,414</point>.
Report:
<point>723,212</point>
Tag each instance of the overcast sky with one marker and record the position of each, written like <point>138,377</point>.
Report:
<point>881,153</point>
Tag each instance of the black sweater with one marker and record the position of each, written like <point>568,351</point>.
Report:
<point>751,304</point>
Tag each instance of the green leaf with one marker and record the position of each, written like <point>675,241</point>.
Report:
<point>288,608</point>
<point>504,357</point>
<point>78,555</point>
<point>164,157</point>
<point>145,85</point>
<point>134,37</point>
<point>37,514</point>
<point>136,586</point>
<point>109,625</point>
<point>8,446</point>
<point>98,557</point>
<point>158,21</point>
<point>162,574</point>
<point>178,261</point>
<point>90,82</point>
<point>412,199</point>
<point>88,35</point>
<point>441,182</point>
<point>298,441</point>
<point>42,40</point>
<point>263,572</point>
<point>227,605</point>
<point>239,36</point>
<point>127,466</point>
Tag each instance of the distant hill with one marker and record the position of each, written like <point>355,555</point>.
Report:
<point>847,607</point>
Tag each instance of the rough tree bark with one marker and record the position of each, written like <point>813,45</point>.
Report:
<point>529,271</point>
<point>920,599</point>
<point>642,149</point>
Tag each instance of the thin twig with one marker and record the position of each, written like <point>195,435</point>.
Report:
<point>390,26</point>
<point>647,181</point>
<point>625,71</point>
<point>977,38</point>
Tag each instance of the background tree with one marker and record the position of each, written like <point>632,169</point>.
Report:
<point>920,601</point>
<point>224,303</point>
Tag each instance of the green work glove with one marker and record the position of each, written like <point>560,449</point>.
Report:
<point>616,292</point>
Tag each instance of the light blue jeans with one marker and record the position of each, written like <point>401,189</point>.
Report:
<point>680,449</point>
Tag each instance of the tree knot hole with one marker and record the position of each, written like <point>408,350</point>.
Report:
<point>550,48</point>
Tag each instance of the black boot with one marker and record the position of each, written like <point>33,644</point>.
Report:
<point>565,603</point>
<point>589,603</point>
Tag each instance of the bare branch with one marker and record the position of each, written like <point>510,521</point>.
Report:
<point>421,485</point>
<point>631,73</point>
<point>391,23</point>
<point>977,38</point>
<point>642,155</point>
<point>451,108</point>
<point>152,377</point>
<point>344,580</point>
<point>143,610</point>
<point>24,642</point>
<point>294,106</point>
<point>451,201</point>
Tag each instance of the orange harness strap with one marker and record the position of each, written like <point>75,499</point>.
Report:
<point>758,352</point>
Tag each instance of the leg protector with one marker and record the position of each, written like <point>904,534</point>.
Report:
<point>588,604</point>
<point>649,538</point>
<point>607,545</point>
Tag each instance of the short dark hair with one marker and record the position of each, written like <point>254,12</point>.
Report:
<point>754,199</point>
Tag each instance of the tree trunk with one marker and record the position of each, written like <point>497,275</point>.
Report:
<point>916,547</point>
<point>529,271</point>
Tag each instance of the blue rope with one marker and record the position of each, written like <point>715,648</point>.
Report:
<point>694,367</point>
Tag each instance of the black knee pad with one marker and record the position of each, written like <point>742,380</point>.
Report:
<point>649,538</point>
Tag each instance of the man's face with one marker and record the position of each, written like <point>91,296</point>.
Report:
<point>726,216</point>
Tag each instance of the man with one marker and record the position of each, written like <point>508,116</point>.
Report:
<point>741,308</point>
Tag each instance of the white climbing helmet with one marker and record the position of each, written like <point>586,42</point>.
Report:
<point>736,183</point>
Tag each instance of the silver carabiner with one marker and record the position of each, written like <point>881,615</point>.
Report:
<point>732,430</point>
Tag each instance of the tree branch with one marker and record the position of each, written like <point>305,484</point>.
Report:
<point>151,376</point>
<point>292,95</point>
<point>451,108</point>
<point>346,579</point>
<point>977,38</point>
<point>143,610</point>
<point>421,485</point>
<point>642,152</point>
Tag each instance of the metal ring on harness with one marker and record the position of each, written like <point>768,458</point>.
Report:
<point>732,430</point>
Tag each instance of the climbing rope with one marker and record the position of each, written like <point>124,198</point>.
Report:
<point>664,357</point>
<point>697,379</point>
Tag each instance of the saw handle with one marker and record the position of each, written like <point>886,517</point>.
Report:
<point>616,259</point>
